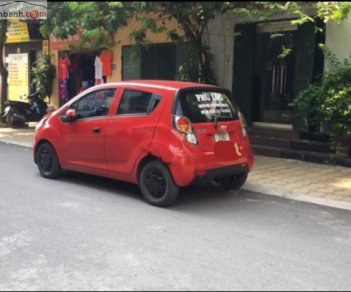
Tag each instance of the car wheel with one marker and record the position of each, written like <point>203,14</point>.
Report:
<point>233,182</point>
<point>47,160</point>
<point>157,185</point>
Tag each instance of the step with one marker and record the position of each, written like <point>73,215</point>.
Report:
<point>319,137</point>
<point>343,161</point>
<point>271,132</point>
<point>266,150</point>
<point>308,145</point>
<point>269,141</point>
<point>308,156</point>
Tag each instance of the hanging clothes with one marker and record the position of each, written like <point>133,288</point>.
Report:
<point>106,59</point>
<point>63,77</point>
<point>99,81</point>
<point>63,91</point>
<point>98,70</point>
<point>64,68</point>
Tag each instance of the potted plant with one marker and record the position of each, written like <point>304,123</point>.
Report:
<point>327,104</point>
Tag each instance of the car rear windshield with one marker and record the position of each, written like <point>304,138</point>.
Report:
<point>201,106</point>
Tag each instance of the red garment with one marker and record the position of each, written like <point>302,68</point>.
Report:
<point>99,81</point>
<point>106,58</point>
<point>63,68</point>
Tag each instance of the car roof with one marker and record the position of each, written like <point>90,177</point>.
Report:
<point>158,84</point>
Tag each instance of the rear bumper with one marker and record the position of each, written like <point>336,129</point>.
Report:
<point>226,171</point>
<point>212,175</point>
<point>188,163</point>
<point>190,170</point>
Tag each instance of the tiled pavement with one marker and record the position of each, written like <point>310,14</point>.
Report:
<point>304,181</point>
<point>298,180</point>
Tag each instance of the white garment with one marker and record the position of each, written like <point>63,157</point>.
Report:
<point>98,68</point>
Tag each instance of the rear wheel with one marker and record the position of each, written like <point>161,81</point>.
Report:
<point>13,122</point>
<point>233,182</point>
<point>47,160</point>
<point>157,185</point>
<point>10,118</point>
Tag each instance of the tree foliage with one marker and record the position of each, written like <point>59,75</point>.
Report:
<point>97,21</point>
<point>43,74</point>
<point>193,18</point>
<point>327,102</point>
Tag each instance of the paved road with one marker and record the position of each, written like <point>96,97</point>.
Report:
<point>86,233</point>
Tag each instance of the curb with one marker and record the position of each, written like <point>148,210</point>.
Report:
<point>23,144</point>
<point>301,198</point>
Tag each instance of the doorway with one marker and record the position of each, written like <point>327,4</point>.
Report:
<point>274,72</point>
<point>81,73</point>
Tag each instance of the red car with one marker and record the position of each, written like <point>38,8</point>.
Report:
<point>161,135</point>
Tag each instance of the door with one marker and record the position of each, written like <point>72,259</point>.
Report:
<point>83,140</point>
<point>275,60</point>
<point>130,131</point>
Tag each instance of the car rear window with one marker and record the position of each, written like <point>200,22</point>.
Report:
<point>201,106</point>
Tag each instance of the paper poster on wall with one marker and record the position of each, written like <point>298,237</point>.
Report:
<point>18,78</point>
<point>17,31</point>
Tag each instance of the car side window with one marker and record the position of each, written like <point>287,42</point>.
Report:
<point>137,102</point>
<point>94,104</point>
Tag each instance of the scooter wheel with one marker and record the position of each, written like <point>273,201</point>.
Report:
<point>10,119</point>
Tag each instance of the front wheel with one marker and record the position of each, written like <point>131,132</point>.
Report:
<point>233,182</point>
<point>48,162</point>
<point>157,185</point>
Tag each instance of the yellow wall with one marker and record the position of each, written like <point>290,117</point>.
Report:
<point>122,39</point>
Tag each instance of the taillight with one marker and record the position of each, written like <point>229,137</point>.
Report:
<point>243,124</point>
<point>184,126</point>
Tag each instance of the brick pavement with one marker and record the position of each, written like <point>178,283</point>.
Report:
<point>298,180</point>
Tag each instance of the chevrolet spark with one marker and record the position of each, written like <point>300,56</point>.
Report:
<point>161,135</point>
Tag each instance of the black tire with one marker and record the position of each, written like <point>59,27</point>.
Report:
<point>233,182</point>
<point>47,161</point>
<point>12,122</point>
<point>157,185</point>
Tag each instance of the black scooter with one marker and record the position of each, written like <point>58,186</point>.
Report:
<point>18,113</point>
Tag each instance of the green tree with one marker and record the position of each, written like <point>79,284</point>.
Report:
<point>193,19</point>
<point>97,21</point>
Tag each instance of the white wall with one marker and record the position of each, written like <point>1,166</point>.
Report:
<point>338,39</point>
<point>221,40</point>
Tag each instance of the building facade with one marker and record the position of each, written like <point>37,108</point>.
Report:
<point>23,47</point>
<point>265,64</point>
<point>160,60</point>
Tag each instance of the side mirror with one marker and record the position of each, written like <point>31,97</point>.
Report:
<point>70,116</point>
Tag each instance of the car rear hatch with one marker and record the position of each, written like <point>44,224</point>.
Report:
<point>216,123</point>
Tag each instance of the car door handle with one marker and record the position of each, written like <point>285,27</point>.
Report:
<point>96,130</point>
